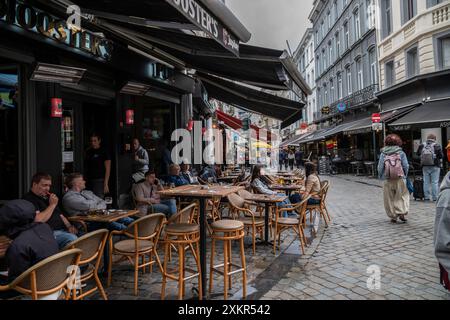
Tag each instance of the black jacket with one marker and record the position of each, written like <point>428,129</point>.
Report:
<point>32,242</point>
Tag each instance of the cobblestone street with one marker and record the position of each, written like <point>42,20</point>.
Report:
<point>361,235</point>
<point>335,264</point>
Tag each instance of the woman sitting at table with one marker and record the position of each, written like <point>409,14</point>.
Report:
<point>312,186</point>
<point>260,187</point>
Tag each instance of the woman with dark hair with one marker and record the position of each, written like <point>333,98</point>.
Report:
<point>312,185</point>
<point>393,168</point>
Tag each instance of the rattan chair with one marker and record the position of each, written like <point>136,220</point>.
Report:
<point>48,276</point>
<point>252,221</point>
<point>144,235</point>
<point>321,207</point>
<point>92,246</point>
<point>281,224</point>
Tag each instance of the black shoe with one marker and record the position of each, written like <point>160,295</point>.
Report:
<point>402,217</point>
<point>394,220</point>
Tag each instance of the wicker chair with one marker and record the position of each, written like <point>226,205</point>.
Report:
<point>92,246</point>
<point>144,235</point>
<point>48,276</point>
<point>282,224</point>
<point>321,207</point>
<point>242,213</point>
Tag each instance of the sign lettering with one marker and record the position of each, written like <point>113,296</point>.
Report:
<point>192,10</point>
<point>21,15</point>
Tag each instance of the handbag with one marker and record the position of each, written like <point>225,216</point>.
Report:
<point>409,185</point>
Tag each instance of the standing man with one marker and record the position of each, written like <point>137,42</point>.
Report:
<point>298,158</point>
<point>281,157</point>
<point>46,203</point>
<point>430,154</point>
<point>141,161</point>
<point>98,167</point>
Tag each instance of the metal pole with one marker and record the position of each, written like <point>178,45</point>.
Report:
<point>374,146</point>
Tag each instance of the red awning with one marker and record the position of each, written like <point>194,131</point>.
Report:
<point>236,123</point>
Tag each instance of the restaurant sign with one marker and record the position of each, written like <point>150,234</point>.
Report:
<point>20,14</point>
<point>199,16</point>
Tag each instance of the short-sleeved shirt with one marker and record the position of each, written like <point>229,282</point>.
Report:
<point>55,222</point>
<point>95,163</point>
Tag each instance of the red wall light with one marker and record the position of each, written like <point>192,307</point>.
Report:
<point>56,108</point>
<point>129,117</point>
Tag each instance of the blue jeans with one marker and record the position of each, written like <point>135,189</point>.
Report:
<point>168,207</point>
<point>63,238</point>
<point>118,225</point>
<point>431,179</point>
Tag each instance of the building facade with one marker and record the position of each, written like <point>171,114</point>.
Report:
<point>414,59</point>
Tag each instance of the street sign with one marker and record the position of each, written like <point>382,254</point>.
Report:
<point>341,107</point>
<point>377,126</point>
<point>376,118</point>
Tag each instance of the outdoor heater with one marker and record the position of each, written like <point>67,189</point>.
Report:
<point>57,73</point>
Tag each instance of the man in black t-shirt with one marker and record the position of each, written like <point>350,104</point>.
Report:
<point>98,167</point>
<point>46,203</point>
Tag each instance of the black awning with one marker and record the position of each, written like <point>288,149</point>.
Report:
<point>288,111</point>
<point>431,113</point>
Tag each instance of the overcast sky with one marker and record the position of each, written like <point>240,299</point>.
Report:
<point>272,22</point>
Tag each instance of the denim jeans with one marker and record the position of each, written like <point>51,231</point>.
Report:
<point>118,225</point>
<point>63,238</point>
<point>168,207</point>
<point>431,179</point>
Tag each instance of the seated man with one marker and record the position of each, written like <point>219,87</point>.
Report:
<point>46,203</point>
<point>174,176</point>
<point>208,175</point>
<point>187,174</point>
<point>79,200</point>
<point>148,199</point>
<point>32,241</point>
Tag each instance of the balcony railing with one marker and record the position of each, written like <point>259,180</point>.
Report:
<point>353,101</point>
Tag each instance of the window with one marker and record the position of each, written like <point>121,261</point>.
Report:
<point>346,36</point>
<point>317,37</point>
<point>349,80</point>
<point>373,66</point>
<point>386,17</point>
<point>409,10</point>
<point>335,11</point>
<point>318,64</point>
<point>338,44</point>
<point>329,20</point>
<point>339,88</point>
<point>322,30</point>
<point>389,73</point>
<point>325,95</point>
<point>331,91</point>
<point>319,97</point>
<point>412,62</point>
<point>356,24</point>
<point>445,45</point>
<point>324,60</point>
<point>370,9</point>
<point>330,51</point>
<point>432,3</point>
<point>360,77</point>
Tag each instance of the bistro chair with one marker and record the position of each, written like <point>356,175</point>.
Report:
<point>321,207</point>
<point>182,232</point>
<point>48,276</point>
<point>4,245</point>
<point>143,237</point>
<point>227,231</point>
<point>281,224</point>
<point>242,213</point>
<point>92,246</point>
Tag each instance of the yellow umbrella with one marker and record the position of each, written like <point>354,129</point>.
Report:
<point>261,144</point>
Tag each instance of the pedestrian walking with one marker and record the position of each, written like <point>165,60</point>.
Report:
<point>281,158</point>
<point>291,159</point>
<point>430,154</point>
<point>298,158</point>
<point>98,167</point>
<point>393,168</point>
<point>442,231</point>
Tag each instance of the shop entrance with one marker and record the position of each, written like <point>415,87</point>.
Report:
<point>9,131</point>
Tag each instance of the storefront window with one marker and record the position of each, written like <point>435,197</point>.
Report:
<point>9,133</point>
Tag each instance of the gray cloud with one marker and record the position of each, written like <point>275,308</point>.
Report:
<point>272,22</point>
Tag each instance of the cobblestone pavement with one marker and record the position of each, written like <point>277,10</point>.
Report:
<point>361,235</point>
<point>335,264</point>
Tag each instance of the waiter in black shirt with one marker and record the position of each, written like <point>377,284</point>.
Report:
<point>46,203</point>
<point>98,167</point>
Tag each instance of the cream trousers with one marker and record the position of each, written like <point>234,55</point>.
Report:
<point>396,198</point>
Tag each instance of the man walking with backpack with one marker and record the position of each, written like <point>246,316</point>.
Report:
<point>393,166</point>
<point>430,154</point>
